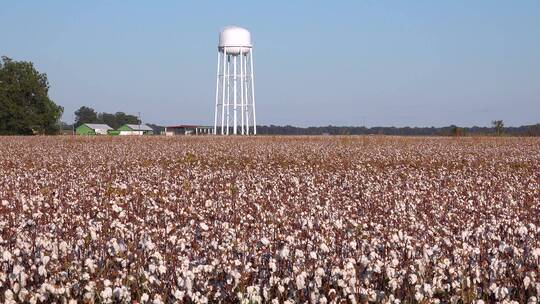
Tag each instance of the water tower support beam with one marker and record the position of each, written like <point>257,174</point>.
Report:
<point>235,126</point>
<point>246,87</point>
<point>228,106</point>
<point>242,92</point>
<point>253,93</point>
<point>217,94</point>
<point>223,77</point>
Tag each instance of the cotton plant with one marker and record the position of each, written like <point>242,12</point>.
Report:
<point>281,220</point>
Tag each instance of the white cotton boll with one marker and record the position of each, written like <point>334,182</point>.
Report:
<point>144,297</point>
<point>265,241</point>
<point>418,296</point>
<point>300,280</point>
<point>16,287</point>
<point>313,255</point>
<point>5,203</point>
<point>281,289</point>
<point>162,269</point>
<point>526,282</point>
<point>290,239</point>
<point>272,265</point>
<point>284,253</point>
<point>480,302</point>
<point>203,226</point>
<point>501,293</point>
<point>179,295</point>
<point>428,290</point>
<point>17,269</point>
<point>22,295</point>
<point>41,271</point>
<point>6,256</point>
<point>523,231</point>
<point>324,248</point>
<point>413,278</point>
<point>88,297</point>
<point>106,293</point>
<point>8,294</point>
<point>63,247</point>
<point>157,299</point>
<point>493,287</point>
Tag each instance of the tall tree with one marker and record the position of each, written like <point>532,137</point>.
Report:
<point>25,107</point>
<point>498,125</point>
<point>85,115</point>
<point>109,119</point>
<point>123,118</point>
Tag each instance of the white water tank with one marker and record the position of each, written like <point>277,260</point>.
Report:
<point>235,40</point>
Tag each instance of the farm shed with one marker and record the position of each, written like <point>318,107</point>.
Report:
<point>187,130</point>
<point>129,129</point>
<point>92,129</point>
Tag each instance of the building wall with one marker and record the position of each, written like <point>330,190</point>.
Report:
<point>101,131</point>
<point>125,128</point>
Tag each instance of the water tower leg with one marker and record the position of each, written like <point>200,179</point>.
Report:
<point>228,107</point>
<point>217,94</point>
<point>253,93</point>
<point>234,96</point>
<point>246,87</point>
<point>224,64</point>
<point>242,92</point>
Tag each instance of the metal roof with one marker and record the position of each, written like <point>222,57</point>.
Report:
<point>98,126</point>
<point>140,127</point>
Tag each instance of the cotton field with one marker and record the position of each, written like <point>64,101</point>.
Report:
<point>269,219</point>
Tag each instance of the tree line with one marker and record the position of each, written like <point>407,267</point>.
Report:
<point>497,128</point>
<point>88,115</point>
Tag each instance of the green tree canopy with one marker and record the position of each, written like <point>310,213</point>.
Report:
<point>123,118</point>
<point>85,115</point>
<point>88,115</point>
<point>498,125</point>
<point>25,107</point>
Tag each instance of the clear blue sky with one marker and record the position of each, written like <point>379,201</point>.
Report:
<point>417,63</point>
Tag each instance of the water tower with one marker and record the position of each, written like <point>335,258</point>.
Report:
<point>235,91</point>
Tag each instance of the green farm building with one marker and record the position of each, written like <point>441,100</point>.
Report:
<point>130,129</point>
<point>92,129</point>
